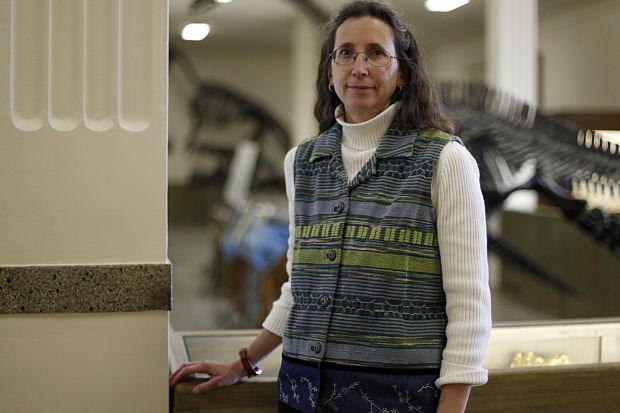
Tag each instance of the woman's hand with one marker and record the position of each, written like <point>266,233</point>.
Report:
<point>222,374</point>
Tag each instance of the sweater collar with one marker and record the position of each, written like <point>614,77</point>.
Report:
<point>397,142</point>
<point>365,135</point>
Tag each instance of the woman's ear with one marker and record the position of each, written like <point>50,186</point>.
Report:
<point>402,79</point>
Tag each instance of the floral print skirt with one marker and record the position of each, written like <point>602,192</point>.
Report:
<point>307,388</point>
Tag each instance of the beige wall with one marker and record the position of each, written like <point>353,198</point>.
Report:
<point>580,49</point>
<point>463,61</point>
<point>76,363</point>
<point>83,181</point>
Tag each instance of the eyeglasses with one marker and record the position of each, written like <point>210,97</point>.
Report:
<point>377,56</point>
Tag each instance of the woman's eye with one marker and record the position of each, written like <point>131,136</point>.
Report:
<point>377,52</point>
<point>345,52</point>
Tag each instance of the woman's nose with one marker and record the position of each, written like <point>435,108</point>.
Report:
<point>360,65</point>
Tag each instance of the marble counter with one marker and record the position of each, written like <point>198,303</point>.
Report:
<point>85,288</point>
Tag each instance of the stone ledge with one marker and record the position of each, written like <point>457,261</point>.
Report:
<point>85,288</point>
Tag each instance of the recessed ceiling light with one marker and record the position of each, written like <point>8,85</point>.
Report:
<point>444,5</point>
<point>195,31</point>
<point>223,1</point>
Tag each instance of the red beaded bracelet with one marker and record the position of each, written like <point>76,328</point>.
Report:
<point>249,369</point>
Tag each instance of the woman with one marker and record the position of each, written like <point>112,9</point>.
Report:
<point>387,307</point>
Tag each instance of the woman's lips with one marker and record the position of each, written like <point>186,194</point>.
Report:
<point>360,87</point>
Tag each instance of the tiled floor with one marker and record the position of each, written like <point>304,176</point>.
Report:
<point>198,306</point>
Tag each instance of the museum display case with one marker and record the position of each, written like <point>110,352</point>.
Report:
<point>585,379</point>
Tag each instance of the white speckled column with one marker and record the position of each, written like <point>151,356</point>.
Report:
<point>305,51</point>
<point>84,276</point>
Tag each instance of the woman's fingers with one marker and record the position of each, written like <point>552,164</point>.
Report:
<point>187,369</point>
<point>212,383</point>
<point>222,374</point>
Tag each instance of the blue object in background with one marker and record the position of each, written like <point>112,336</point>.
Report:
<point>263,243</point>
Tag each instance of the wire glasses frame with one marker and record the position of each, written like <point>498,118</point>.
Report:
<point>377,56</point>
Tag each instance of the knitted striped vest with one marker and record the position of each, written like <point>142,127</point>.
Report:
<point>366,275</point>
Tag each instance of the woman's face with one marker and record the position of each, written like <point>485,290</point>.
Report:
<point>365,90</point>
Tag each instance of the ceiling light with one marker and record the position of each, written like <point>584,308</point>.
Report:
<point>444,5</point>
<point>223,1</point>
<point>195,31</point>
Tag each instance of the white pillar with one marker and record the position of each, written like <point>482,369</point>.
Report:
<point>305,55</point>
<point>83,115</point>
<point>511,63</point>
<point>511,49</point>
<point>511,35</point>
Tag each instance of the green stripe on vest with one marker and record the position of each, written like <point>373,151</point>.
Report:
<point>368,259</point>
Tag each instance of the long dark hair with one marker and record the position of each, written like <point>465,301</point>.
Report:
<point>419,100</point>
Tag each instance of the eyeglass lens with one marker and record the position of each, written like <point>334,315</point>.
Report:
<point>376,57</point>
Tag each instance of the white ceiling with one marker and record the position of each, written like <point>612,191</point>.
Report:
<point>268,23</point>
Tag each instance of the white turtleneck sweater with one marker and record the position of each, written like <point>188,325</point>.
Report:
<point>461,234</point>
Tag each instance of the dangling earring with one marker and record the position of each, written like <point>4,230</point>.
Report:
<point>331,87</point>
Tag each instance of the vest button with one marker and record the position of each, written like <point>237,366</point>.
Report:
<point>331,255</point>
<point>339,208</point>
<point>324,300</point>
<point>316,348</point>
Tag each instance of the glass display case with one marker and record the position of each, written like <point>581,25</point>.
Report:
<point>591,382</point>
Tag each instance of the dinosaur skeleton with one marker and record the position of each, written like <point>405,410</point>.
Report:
<point>517,147</point>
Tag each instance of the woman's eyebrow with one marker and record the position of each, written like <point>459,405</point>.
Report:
<point>375,45</point>
<point>368,46</point>
<point>348,44</point>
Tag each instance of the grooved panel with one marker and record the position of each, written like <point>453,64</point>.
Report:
<point>100,38</point>
<point>28,56</point>
<point>84,62</point>
<point>136,57</point>
<point>65,64</point>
